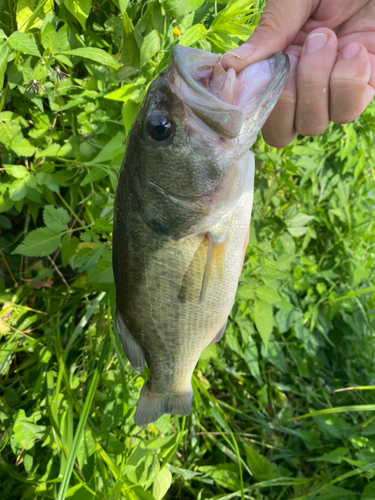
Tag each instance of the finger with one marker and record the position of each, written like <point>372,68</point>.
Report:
<point>331,14</point>
<point>350,93</point>
<point>317,59</point>
<point>279,131</point>
<point>279,24</point>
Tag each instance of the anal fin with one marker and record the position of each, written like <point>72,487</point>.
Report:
<point>132,350</point>
<point>151,406</point>
<point>219,334</point>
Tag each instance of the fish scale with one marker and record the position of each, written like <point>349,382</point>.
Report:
<point>178,250</point>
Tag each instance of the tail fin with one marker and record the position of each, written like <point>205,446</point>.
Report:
<point>152,406</point>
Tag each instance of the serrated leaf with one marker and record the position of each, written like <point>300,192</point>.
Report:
<point>39,243</point>
<point>267,294</point>
<point>22,147</point>
<point>192,35</point>
<point>18,190</point>
<point>162,484</point>
<point>102,273</point>
<point>16,171</point>
<point>4,52</point>
<point>263,317</point>
<point>97,55</point>
<point>80,9</point>
<point>56,218</point>
<point>68,248</point>
<point>50,39</point>
<point>21,42</point>
<point>150,46</point>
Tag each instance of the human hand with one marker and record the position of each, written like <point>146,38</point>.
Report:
<point>331,46</point>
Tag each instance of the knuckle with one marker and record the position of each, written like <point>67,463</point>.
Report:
<point>310,129</point>
<point>269,24</point>
<point>346,100</point>
<point>277,142</point>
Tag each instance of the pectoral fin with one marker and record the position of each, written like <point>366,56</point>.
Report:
<point>132,350</point>
<point>215,255</point>
<point>191,285</point>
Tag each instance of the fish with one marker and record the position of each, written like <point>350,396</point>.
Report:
<point>181,216</point>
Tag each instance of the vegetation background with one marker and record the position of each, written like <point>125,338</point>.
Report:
<point>270,419</point>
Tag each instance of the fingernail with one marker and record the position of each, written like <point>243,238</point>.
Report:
<point>315,42</point>
<point>350,50</point>
<point>293,61</point>
<point>242,52</point>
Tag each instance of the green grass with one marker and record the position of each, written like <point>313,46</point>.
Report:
<point>270,418</point>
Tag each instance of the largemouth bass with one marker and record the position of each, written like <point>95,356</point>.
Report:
<point>182,214</point>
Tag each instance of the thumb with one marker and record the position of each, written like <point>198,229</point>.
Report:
<point>278,26</point>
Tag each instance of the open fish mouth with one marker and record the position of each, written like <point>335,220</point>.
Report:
<point>222,99</point>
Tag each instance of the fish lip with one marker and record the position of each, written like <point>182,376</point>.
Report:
<point>179,60</point>
<point>281,66</point>
<point>229,118</point>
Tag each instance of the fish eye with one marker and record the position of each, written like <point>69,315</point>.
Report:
<point>159,128</point>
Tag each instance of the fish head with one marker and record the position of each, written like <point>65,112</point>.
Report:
<point>196,123</point>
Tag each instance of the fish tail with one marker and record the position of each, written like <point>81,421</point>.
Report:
<point>152,406</point>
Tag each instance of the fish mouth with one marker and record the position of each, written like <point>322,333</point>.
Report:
<point>222,99</point>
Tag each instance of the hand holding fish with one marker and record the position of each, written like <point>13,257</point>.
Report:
<point>331,46</point>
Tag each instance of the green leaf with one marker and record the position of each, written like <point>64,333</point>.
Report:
<point>31,13</point>
<point>134,91</point>
<point>251,359</point>
<point>68,248</point>
<point>80,10</point>
<point>23,147</point>
<point>56,218</point>
<point>336,456</point>
<point>130,50</point>
<point>162,484</point>
<point>26,431</point>
<point>39,243</point>
<point>150,46</point>
<point>4,52</point>
<point>176,8</point>
<point>50,39</point>
<point>97,55</point>
<point>267,294</point>
<point>263,317</point>
<point>192,35</point>
<point>102,273</point>
<point>129,113</point>
<point>112,149</point>
<point>23,43</point>
<point>261,468</point>
<point>86,448</point>
<point>369,492</point>
<point>18,190</point>
<point>297,225</point>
